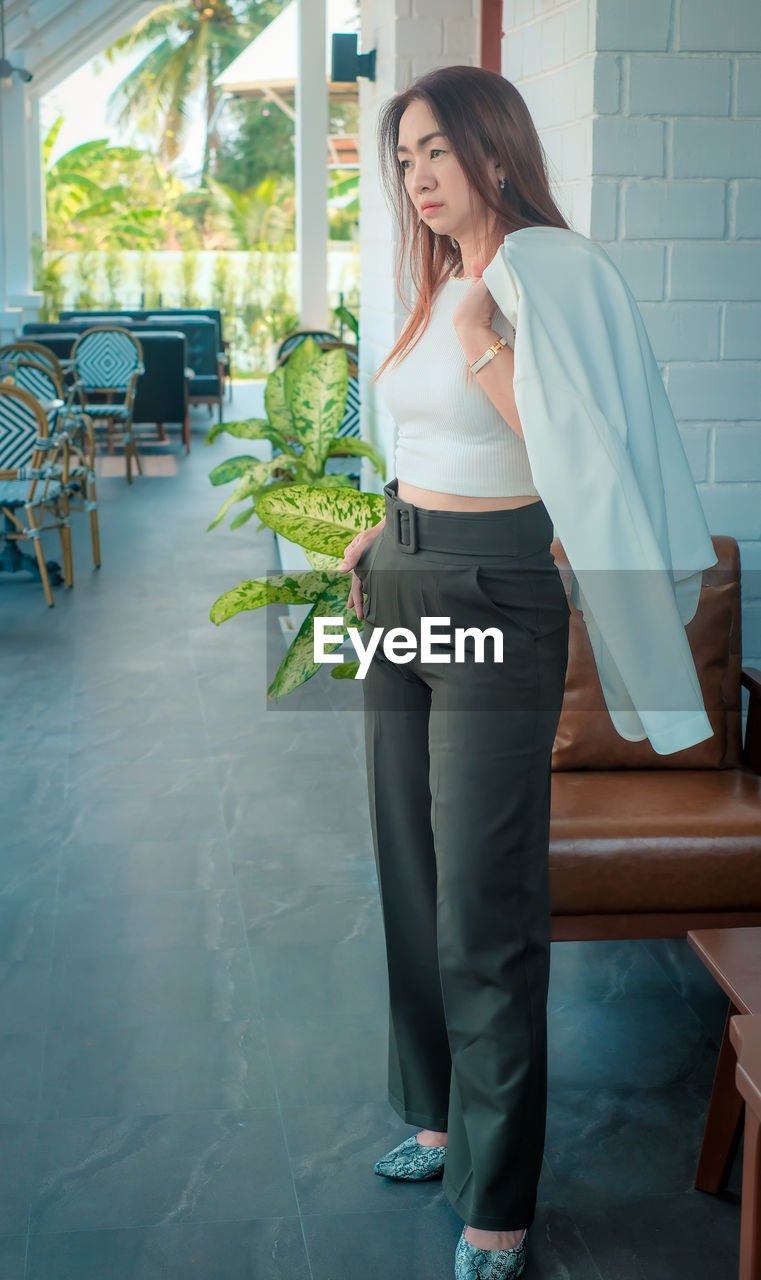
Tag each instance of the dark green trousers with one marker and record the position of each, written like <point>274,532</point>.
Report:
<point>458,767</point>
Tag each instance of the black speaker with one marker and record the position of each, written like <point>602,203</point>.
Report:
<point>346,63</point>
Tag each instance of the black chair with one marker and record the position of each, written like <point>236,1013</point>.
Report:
<point>58,340</point>
<point>205,385</point>
<point>137,313</point>
<point>203,356</point>
<point>33,328</point>
<point>211,313</point>
<point>162,392</point>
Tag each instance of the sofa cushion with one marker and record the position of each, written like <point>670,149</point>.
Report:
<point>586,737</point>
<point>668,840</point>
<point>202,385</point>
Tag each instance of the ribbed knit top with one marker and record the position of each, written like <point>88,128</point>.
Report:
<point>448,436</point>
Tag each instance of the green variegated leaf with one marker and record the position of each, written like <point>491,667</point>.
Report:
<point>318,404</point>
<point>232,469</point>
<point>244,517</point>
<point>305,587</point>
<point>345,670</point>
<point>248,485</point>
<point>340,481</point>
<point>320,561</point>
<point>359,449</point>
<point>248,429</point>
<point>298,664</point>
<point>298,361</point>
<point>276,404</point>
<point>319,518</point>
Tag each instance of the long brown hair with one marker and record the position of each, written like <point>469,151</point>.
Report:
<point>486,120</point>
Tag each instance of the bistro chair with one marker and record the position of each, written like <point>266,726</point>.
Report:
<point>76,436</point>
<point>29,482</point>
<point>293,339</point>
<point>108,361</point>
<point>35,351</point>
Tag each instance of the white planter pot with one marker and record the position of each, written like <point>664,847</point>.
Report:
<point>292,560</point>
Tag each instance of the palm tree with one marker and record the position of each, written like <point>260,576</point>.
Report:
<point>193,41</point>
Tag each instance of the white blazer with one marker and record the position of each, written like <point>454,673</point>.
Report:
<point>608,461</point>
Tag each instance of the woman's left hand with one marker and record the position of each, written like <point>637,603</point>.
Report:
<point>476,307</point>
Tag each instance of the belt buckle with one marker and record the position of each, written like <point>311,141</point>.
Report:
<point>404,522</point>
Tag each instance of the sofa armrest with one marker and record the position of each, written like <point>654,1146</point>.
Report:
<point>750,677</point>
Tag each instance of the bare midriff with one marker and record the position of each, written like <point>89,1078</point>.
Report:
<point>432,500</point>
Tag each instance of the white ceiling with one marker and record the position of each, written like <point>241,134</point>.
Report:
<point>58,36</point>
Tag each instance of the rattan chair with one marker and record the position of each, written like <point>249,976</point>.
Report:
<point>29,479</point>
<point>108,360</point>
<point>75,434</point>
<point>35,351</point>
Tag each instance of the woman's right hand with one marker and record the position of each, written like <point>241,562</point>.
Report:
<point>352,555</point>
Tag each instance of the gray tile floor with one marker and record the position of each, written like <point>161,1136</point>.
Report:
<point>192,984</point>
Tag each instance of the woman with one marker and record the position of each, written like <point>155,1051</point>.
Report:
<point>459,752</point>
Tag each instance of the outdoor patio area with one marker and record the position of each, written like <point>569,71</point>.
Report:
<point>194,1000</point>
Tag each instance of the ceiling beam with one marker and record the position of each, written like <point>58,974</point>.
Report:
<point>58,36</point>
<point>65,51</point>
<point>27,21</point>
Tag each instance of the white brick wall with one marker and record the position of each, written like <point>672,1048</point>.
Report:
<point>650,115</point>
<point>548,54</point>
<point>683,150</point>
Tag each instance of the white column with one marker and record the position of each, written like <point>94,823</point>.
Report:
<point>20,195</point>
<point>36,184</point>
<point>411,37</point>
<point>312,166</point>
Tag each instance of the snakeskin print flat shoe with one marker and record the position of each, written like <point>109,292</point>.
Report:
<point>471,1263</point>
<point>412,1162</point>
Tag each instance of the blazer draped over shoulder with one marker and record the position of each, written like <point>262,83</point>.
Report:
<point>610,466</point>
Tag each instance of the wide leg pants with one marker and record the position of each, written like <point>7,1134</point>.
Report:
<point>458,768</point>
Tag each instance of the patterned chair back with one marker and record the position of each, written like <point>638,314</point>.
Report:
<point>15,351</point>
<point>350,424</point>
<point>40,380</point>
<point>22,421</point>
<point>293,339</point>
<point>105,357</point>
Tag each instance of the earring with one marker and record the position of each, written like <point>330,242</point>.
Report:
<point>502,184</point>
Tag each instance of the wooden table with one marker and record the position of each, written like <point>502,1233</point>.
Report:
<point>733,957</point>
<point>745,1031</point>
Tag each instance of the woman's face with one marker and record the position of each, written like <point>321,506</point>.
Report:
<point>432,174</point>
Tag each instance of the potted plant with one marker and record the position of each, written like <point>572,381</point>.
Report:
<point>321,519</point>
<point>305,400</point>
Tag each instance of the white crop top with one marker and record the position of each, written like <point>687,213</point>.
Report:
<point>448,435</point>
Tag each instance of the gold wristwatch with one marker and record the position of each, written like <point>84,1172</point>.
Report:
<point>488,355</point>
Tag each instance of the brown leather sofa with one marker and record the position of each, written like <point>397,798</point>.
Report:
<point>645,845</point>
